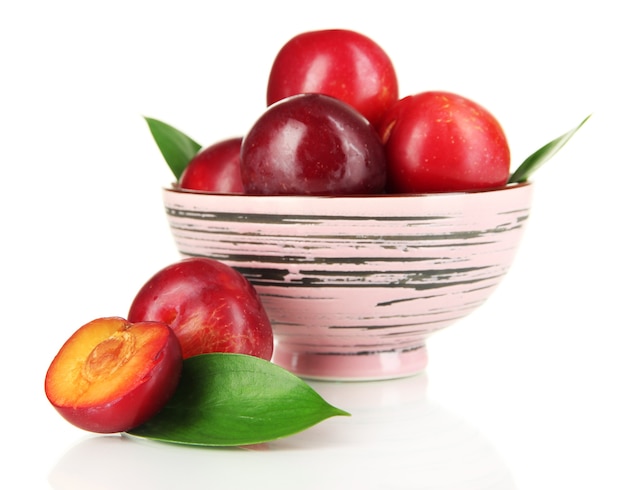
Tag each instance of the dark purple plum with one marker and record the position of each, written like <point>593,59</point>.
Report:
<point>312,144</point>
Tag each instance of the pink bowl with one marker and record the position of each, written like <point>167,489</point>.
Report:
<point>355,285</point>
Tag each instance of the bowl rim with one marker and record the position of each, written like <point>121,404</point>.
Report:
<point>175,189</point>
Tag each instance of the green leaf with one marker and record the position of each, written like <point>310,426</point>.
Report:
<point>542,155</point>
<point>236,400</point>
<point>176,147</point>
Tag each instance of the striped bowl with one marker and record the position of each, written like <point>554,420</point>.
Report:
<point>355,285</point>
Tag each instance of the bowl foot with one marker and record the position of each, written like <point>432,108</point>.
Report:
<point>351,367</point>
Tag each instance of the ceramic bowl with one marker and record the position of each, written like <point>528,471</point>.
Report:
<point>355,285</point>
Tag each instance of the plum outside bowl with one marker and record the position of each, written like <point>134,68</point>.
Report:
<point>355,285</point>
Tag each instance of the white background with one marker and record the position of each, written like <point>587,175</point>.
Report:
<point>536,374</point>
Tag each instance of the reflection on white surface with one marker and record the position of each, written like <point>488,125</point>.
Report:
<point>396,438</point>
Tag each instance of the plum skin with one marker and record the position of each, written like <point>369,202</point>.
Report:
<point>210,306</point>
<point>438,141</point>
<point>215,168</point>
<point>130,381</point>
<point>338,62</point>
<point>312,144</point>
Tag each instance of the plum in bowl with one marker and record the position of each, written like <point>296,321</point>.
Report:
<point>355,285</point>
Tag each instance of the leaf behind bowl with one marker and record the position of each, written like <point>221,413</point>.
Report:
<point>176,147</point>
<point>542,155</point>
<point>236,400</point>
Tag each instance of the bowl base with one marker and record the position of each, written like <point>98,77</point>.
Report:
<point>351,367</point>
